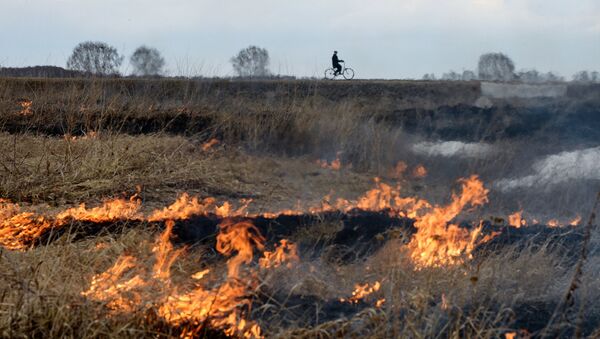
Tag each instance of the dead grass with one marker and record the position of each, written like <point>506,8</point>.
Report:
<point>60,171</point>
<point>40,294</point>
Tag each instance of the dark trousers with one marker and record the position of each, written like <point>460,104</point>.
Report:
<point>338,68</point>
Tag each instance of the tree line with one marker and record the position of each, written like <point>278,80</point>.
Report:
<point>100,59</point>
<point>500,67</point>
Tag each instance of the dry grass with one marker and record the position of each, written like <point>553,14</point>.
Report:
<point>292,118</point>
<point>60,171</point>
<point>41,293</point>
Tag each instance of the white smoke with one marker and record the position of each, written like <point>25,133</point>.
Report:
<point>558,168</point>
<point>453,149</point>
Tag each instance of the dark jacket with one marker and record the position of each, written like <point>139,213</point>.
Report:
<point>335,61</point>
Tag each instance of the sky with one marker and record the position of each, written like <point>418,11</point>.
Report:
<point>389,39</point>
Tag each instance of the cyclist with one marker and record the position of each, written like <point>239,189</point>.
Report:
<point>336,63</point>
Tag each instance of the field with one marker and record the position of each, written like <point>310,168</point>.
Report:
<point>216,208</point>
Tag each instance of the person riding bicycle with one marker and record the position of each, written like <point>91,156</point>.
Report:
<point>336,63</point>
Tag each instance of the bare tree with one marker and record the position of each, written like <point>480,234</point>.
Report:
<point>585,76</point>
<point>429,76</point>
<point>147,61</point>
<point>96,58</point>
<point>451,76</point>
<point>551,76</point>
<point>496,66</point>
<point>251,62</point>
<point>533,76</point>
<point>530,76</point>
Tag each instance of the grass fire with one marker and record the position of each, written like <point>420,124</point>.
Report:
<point>296,209</point>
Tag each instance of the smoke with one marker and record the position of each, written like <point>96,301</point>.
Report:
<point>558,168</point>
<point>453,149</point>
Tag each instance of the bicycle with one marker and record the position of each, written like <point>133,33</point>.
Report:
<point>347,72</point>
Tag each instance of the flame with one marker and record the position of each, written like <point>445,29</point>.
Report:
<point>362,292</point>
<point>88,135</point>
<point>18,230</point>
<point>183,208</point>
<point>438,244</point>
<point>553,223</point>
<point>219,307</point>
<point>444,304</point>
<point>575,221</point>
<point>382,197</point>
<point>207,146</point>
<point>110,210</point>
<point>510,335</point>
<point>335,165</point>
<point>516,220</point>
<point>118,296</point>
<point>285,252</point>
<point>165,255</point>
<point>240,237</point>
<point>25,107</point>
<point>399,170</point>
<point>420,171</point>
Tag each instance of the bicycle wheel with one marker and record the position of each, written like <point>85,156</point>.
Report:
<point>348,74</point>
<point>330,74</point>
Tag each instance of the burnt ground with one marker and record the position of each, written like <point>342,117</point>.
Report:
<point>356,234</point>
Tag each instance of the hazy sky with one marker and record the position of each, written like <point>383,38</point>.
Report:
<point>378,38</point>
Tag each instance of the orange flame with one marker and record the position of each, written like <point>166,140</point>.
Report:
<point>382,197</point>
<point>436,243</point>
<point>516,220</point>
<point>335,165</point>
<point>399,170</point>
<point>420,172</point>
<point>165,255</point>
<point>362,292</point>
<point>110,210</point>
<point>118,296</point>
<point>285,252</point>
<point>576,221</point>
<point>240,237</point>
<point>19,230</point>
<point>220,307</point>
<point>25,107</point>
<point>207,146</point>
<point>88,135</point>
<point>183,208</point>
<point>444,305</point>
